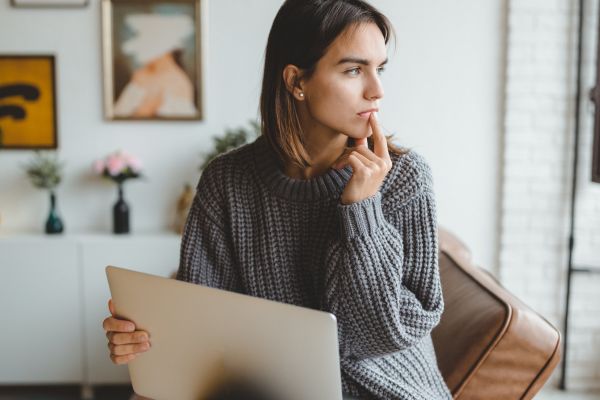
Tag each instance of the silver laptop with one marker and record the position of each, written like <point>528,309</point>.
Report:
<point>214,344</point>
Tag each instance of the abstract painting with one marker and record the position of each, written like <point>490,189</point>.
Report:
<point>27,102</point>
<point>151,52</point>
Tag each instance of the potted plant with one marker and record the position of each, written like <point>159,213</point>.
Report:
<point>232,139</point>
<point>45,172</point>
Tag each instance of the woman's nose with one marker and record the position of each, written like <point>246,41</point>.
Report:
<point>374,90</point>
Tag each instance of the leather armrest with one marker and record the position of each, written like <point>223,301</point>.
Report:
<point>489,344</point>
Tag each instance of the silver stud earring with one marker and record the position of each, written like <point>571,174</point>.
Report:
<point>301,94</point>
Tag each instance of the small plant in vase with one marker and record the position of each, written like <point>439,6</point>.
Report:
<point>44,172</point>
<point>119,167</point>
<point>231,139</point>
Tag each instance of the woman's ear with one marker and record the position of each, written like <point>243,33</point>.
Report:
<point>292,76</point>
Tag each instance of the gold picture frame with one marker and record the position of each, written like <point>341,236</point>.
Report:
<point>49,3</point>
<point>28,102</point>
<point>152,59</point>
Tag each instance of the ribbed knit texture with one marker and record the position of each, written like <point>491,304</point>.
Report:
<point>374,263</point>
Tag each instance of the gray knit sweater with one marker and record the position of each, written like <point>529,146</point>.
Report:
<point>373,264</point>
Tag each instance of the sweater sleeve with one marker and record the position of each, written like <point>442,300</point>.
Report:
<point>382,281</point>
<point>206,255</point>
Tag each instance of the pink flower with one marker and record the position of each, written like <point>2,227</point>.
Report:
<point>115,164</point>
<point>134,163</point>
<point>119,166</point>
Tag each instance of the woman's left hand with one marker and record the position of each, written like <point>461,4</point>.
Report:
<point>369,168</point>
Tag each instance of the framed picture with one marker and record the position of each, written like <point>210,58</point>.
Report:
<point>27,102</point>
<point>152,59</point>
<point>49,3</point>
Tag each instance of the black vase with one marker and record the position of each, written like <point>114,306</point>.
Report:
<point>121,214</point>
<point>53,223</point>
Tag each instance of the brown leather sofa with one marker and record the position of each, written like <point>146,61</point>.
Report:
<point>489,344</point>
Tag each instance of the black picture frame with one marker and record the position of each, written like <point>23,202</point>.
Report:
<point>48,106</point>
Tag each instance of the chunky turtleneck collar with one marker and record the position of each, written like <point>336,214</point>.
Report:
<point>330,185</point>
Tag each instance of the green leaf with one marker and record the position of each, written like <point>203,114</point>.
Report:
<point>44,170</point>
<point>232,139</point>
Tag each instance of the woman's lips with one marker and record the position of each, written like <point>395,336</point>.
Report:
<point>367,113</point>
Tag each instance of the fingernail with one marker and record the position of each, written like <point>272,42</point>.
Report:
<point>376,115</point>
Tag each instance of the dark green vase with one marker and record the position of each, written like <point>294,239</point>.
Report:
<point>53,223</point>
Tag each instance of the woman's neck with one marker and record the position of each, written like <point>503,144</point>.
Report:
<point>323,151</point>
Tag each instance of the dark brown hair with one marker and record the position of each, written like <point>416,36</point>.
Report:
<point>300,35</point>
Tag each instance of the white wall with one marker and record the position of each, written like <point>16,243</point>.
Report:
<point>443,98</point>
<point>540,120</point>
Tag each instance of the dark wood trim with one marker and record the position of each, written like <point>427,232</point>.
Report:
<point>595,96</point>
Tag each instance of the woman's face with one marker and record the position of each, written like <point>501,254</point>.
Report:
<point>346,82</point>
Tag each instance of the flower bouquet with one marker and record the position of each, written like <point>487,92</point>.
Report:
<point>119,167</point>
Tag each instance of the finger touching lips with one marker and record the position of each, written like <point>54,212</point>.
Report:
<point>379,140</point>
<point>361,142</point>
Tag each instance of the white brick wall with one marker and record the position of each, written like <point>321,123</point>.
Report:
<point>539,132</point>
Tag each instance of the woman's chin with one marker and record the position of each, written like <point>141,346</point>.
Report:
<point>354,133</point>
<point>360,135</point>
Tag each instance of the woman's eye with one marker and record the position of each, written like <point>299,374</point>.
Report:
<point>356,71</point>
<point>353,71</point>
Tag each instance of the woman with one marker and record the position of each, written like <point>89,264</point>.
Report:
<point>299,217</point>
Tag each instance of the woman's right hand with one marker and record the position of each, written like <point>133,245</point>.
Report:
<point>124,342</point>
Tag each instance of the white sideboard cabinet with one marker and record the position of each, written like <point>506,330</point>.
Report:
<point>54,297</point>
